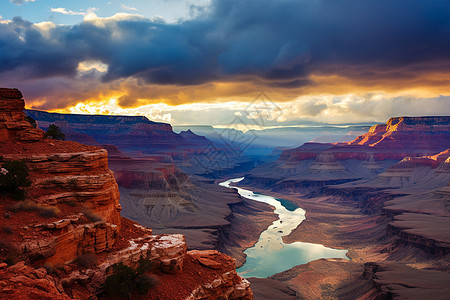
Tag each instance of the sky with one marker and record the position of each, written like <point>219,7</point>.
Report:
<point>212,62</point>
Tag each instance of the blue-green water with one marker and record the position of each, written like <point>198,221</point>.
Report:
<point>270,255</point>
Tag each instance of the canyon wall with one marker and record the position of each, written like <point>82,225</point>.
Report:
<point>156,170</point>
<point>368,155</point>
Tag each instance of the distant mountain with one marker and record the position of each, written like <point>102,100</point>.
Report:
<point>266,142</point>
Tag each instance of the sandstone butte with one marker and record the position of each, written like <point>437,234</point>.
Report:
<point>72,213</point>
<point>398,138</point>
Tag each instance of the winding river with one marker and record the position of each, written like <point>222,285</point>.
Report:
<point>270,254</point>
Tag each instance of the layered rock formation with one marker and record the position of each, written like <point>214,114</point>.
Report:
<point>394,281</point>
<point>399,137</point>
<point>416,135</point>
<point>70,223</point>
<point>62,172</point>
<point>137,135</point>
<point>119,130</point>
<point>365,157</point>
<point>383,196</point>
<point>151,164</point>
<point>13,126</point>
<point>156,193</point>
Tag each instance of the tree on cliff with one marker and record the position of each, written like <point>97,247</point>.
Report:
<point>14,178</point>
<point>55,133</point>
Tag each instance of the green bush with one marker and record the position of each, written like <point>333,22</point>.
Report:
<point>126,281</point>
<point>14,178</point>
<point>55,133</point>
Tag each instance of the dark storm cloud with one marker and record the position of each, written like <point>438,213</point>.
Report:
<point>282,41</point>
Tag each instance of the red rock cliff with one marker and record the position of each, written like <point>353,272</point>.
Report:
<point>398,138</point>
<point>72,210</point>
<point>62,172</point>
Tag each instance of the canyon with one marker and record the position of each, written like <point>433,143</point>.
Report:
<point>62,239</point>
<point>165,179</point>
<point>383,196</point>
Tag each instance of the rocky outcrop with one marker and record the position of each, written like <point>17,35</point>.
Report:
<point>228,285</point>
<point>61,172</point>
<point>63,175</point>
<point>68,240</point>
<point>78,177</point>
<point>427,232</point>
<point>398,138</point>
<point>70,220</point>
<point>24,282</point>
<point>166,252</point>
<point>168,255</point>
<point>427,134</point>
<point>13,126</point>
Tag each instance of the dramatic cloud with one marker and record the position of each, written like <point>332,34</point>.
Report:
<point>343,109</point>
<point>290,47</point>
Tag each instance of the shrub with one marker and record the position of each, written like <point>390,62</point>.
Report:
<point>55,133</point>
<point>125,280</point>
<point>14,178</point>
<point>47,212</point>
<point>31,121</point>
<point>43,211</point>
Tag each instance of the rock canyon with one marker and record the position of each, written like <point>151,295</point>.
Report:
<point>124,187</point>
<point>61,240</point>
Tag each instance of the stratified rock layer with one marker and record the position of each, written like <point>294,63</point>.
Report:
<point>383,196</point>
<point>70,222</point>
<point>398,138</point>
<point>13,126</point>
<point>59,173</point>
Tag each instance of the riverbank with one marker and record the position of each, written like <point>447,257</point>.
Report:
<point>334,224</point>
<point>342,225</point>
<point>271,255</point>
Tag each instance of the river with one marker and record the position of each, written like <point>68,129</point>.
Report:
<point>270,255</point>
